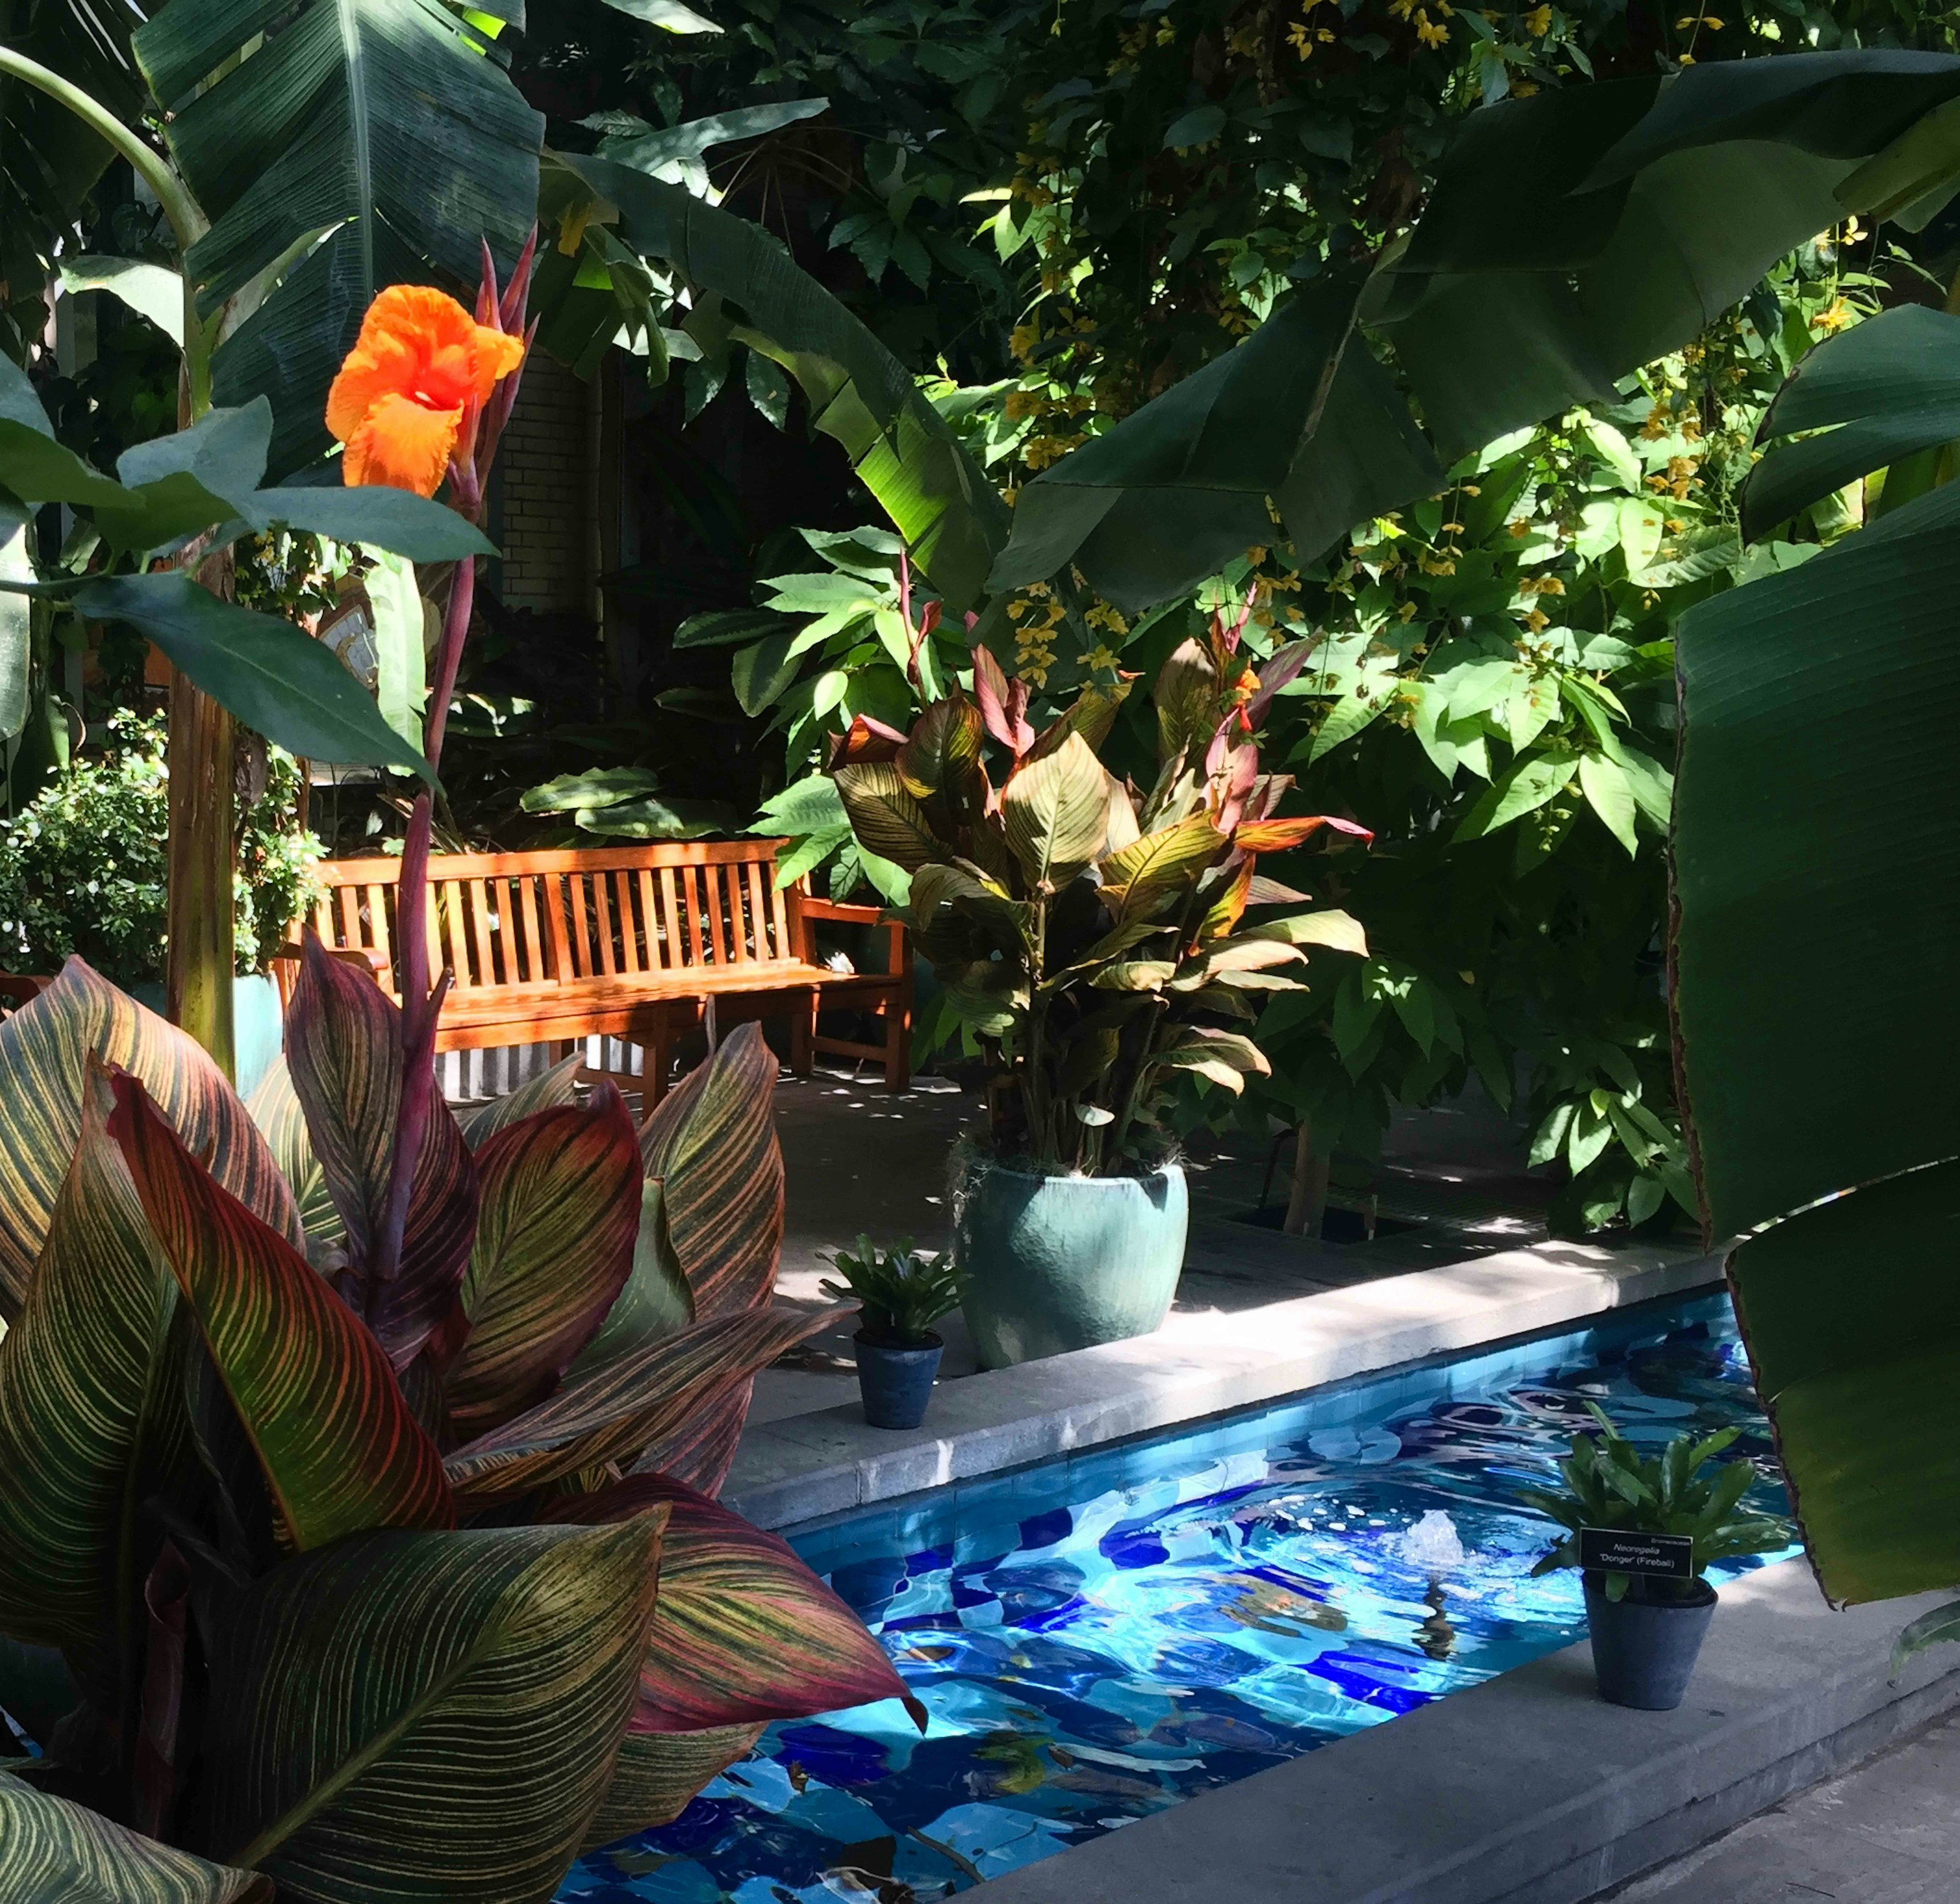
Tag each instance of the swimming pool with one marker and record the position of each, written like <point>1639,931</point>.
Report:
<point>1098,1638</point>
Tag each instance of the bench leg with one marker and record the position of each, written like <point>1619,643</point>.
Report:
<point>656,1060</point>
<point>803,1034</point>
<point>899,1039</point>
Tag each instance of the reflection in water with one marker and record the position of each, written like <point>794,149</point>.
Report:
<point>1098,1640</point>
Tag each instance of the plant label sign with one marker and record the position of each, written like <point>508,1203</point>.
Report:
<point>1612,1550</point>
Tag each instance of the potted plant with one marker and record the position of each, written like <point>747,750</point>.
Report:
<point>1092,940</point>
<point>1647,1626</point>
<point>903,1293</point>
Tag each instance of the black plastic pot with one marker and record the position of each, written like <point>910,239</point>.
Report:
<point>896,1378</point>
<point>1644,1649</point>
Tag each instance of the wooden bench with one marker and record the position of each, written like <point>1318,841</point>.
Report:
<point>641,943</point>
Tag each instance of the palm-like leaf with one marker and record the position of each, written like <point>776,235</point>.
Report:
<point>379,121</point>
<point>658,1774</point>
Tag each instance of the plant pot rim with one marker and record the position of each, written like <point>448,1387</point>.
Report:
<point>991,1168</point>
<point>1706,1596</point>
<point>907,1345</point>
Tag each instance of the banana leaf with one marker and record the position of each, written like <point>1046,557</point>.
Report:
<point>904,452</point>
<point>1817,881</point>
<point>381,123</point>
<point>55,1849</point>
<point>1572,236</point>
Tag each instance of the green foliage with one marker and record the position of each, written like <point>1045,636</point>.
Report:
<point>82,865</point>
<point>901,1293</point>
<point>1609,1484</point>
<point>375,1521</point>
<point>1089,939</point>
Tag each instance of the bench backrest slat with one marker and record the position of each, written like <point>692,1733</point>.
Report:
<point>502,920</point>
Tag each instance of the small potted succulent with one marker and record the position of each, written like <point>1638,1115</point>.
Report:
<point>1098,941</point>
<point>1659,1512</point>
<point>903,1293</point>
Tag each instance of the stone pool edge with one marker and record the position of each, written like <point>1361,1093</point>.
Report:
<point>1528,1789</point>
<point>800,1467</point>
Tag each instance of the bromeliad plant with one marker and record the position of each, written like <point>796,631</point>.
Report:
<point>901,1293</point>
<point>1609,1484</point>
<point>374,1583</point>
<point>1091,936</point>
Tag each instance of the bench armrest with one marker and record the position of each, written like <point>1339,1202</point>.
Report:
<point>806,910</point>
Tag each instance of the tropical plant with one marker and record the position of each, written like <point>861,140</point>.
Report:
<point>1841,1276</point>
<point>901,1292</point>
<point>1089,935</point>
<point>311,155</point>
<point>1610,1484</point>
<point>352,1578</point>
<point>1532,275</point>
<point>82,864</point>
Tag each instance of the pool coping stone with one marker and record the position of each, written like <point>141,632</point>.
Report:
<point>1529,1789</point>
<point>801,1467</point>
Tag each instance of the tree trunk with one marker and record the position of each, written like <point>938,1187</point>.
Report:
<point>1307,1206</point>
<point>200,956</point>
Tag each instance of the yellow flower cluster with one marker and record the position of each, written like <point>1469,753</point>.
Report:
<point>1040,451</point>
<point>1099,614</point>
<point>1101,657</point>
<point>1541,585</point>
<point>1538,22</point>
<point>1035,620</point>
<point>1680,475</point>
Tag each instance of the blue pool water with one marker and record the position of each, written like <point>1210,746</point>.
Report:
<point>1099,1638</point>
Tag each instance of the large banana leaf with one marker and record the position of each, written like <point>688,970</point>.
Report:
<point>1885,390</point>
<point>1572,236</point>
<point>45,1049</point>
<point>49,158</point>
<point>51,1850</point>
<point>904,452</point>
<point>77,1371</point>
<point>341,1450</point>
<point>1817,878</point>
<point>744,1631</point>
<point>344,1052</point>
<point>555,1235</point>
<point>428,1715</point>
<point>381,123</point>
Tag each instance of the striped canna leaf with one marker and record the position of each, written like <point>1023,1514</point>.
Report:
<point>555,1237</point>
<point>44,1049</point>
<point>78,1374</point>
<point>657,1774</point>
<point>344,1052</point>
<point>53,1850</point>
<point>712,1141</point>
<point>274,1107</point>
<point>620,1409</point>
<point>432,1716</point>
<point>744,1631</point>
<point>340,1450</point>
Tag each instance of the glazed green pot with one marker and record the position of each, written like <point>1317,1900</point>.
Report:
<point>1061,1262</point>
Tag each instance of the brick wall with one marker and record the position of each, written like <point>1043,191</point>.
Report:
<point>546,476</point>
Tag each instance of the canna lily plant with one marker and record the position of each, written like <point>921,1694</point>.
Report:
<point>357,1578</point>
<point>1093,936</point>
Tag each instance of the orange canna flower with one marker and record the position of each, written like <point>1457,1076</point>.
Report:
<point>398,402</point>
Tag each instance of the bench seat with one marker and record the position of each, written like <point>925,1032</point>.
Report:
<point>640,943</point>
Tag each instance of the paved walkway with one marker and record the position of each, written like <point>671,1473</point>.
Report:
<point>1888,1833</point>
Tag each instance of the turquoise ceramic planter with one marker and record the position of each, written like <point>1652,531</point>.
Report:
<point>1063,1262</point>
<point>257,1033</point>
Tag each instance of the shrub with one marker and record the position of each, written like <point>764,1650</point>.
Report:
<point>82,866</point>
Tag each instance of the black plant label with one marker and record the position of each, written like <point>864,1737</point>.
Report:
<point>1612,1550</point>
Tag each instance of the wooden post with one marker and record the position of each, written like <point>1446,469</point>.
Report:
<point>1306,1205</point>
<point>201,955</point>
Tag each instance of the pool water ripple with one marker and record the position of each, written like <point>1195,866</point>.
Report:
<point>1098,1639</point>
